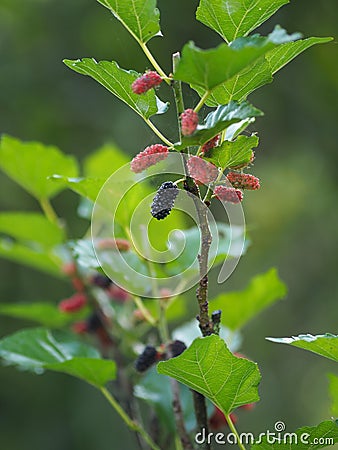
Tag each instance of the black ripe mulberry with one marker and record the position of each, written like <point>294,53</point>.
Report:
<point>176,348</point>
<point>164,200</point>
<point>101,281</point>
<point>146,359</point>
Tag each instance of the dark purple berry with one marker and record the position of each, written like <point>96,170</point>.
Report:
<point>101,281</point>
<point>176,348</point>
<point>146,359</point>
<point>94,322</point>
<point>164,200</point>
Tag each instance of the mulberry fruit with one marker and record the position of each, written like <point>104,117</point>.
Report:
<point>69,269</point>
<point>176,348</point>
<point>146,359</point>
<point>210,144</point>
<point>243,181</point>
<point>74,303</point>
<point>218,420</point>
<point>80,327</point>
<point>78,284</point>
<point>101,281</point>
<point>248,406</point>
<point>148,157</point>
<point>94,322</point>
<point>202,171</point>
<point>189,122</point>
<point>164,200</point>
<point>228,194</point>
<point>147,81</point>
<point>114,244</point>
<point>117,293</point>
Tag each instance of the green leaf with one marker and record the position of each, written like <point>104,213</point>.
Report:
<point>282,55</point>
<point>47,314</point>
<point>86,187</point>
<point>140,17</point>
<point>104,161</point>
<point>31,227</point>
<point>189,331</point>
<point>217,121</point>
<point>118,81</point>
<point>242,84</point>
<point>94,371</point>
<point>260,73</point>
<point>235,129</point>
<point>209,368</point>
<point>306,438</point>
<point>233,153</point>
<point>333,379</point>
<point>37,349</point>
<point>235,18</point>
<point>322,344</point>
<point>30,164</point>
<point>208,69</point>
<point>240,307</point>
<point>41,260</point>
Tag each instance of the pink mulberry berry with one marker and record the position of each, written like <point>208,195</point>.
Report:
<point>248,406</point>
<point>80,327</point>
<point>148,157</point>
<point>189,122</point>
<point>218,420</point>
<point>114,244</point>
<point>243,181</point>
<point>74,303</point>
<point>118,294</point>
<point>147,81</point>
<point>202,171</point>
<point>228,194</point>
<point>69,269</point>
<point>78,284</point>
<point>210,144</point>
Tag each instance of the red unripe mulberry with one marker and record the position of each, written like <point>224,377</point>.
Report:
<point>248,406</point>
<point>210,144</point>
<point>73,304</point>
<point>201,171</point>
<point>189,122</point>
<point>69,269</point>
<point>218,420</point>
<point>78,284</point>
<point>118,294</point>
<point>148,157</point>
<point>147,81</point>
<point>243,181</point>
<point>80,327</point>
<point>113,244</point>
<point>228,194</point>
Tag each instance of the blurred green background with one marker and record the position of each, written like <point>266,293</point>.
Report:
<point>293,219</point>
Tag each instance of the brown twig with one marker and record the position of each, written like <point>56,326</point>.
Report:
<point>190,186</point>
<point>201,416</point>
<point>179,419</point>
<point>202,296</point>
